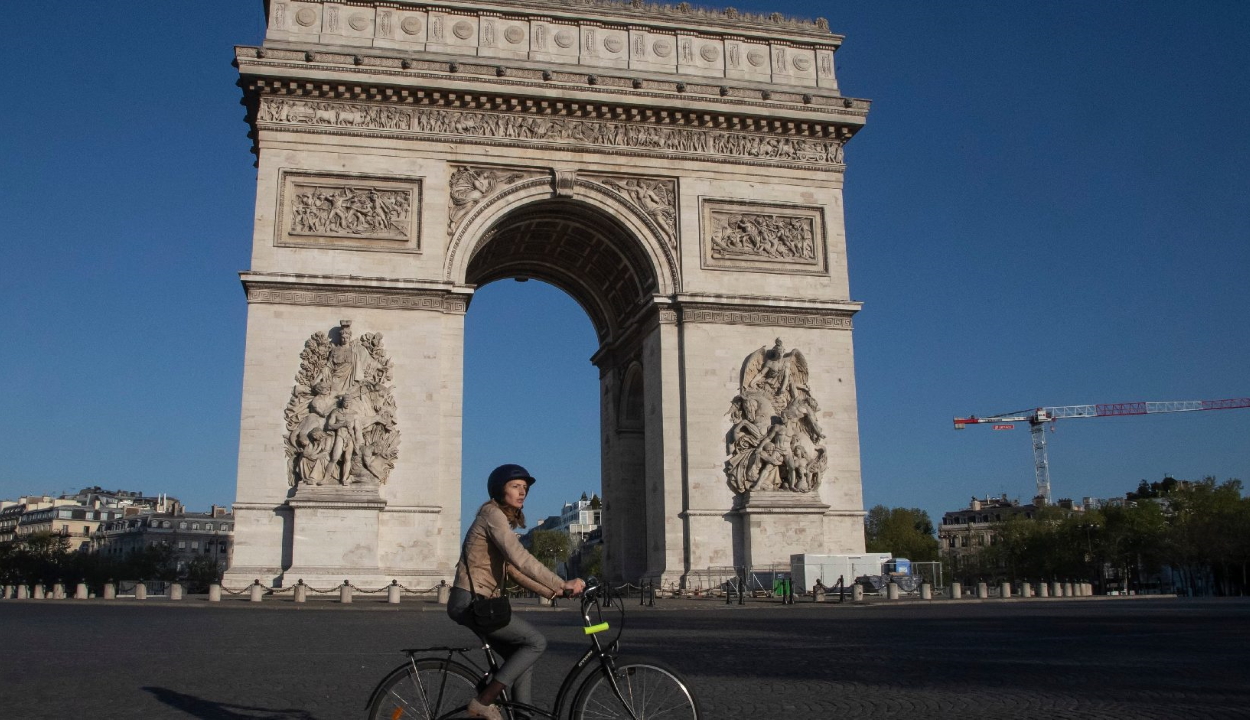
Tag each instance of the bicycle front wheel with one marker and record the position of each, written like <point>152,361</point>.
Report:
<point>428,689</point>
<point>651,692</point>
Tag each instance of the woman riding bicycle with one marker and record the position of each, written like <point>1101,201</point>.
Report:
<point>491,553</point>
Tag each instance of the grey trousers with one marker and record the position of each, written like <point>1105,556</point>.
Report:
<point>518,642</point>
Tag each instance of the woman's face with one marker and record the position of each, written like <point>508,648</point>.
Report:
<point>514,493</point>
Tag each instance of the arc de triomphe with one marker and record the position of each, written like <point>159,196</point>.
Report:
<point>677,171</point>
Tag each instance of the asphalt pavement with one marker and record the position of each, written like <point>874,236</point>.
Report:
<point>1078,658</point>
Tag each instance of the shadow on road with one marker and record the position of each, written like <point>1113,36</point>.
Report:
<point>210,710</point>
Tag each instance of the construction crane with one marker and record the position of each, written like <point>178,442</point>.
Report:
<point>1038,417</point>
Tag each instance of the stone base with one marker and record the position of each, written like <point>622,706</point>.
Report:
<point>335,537</point>
<point>772,525</point>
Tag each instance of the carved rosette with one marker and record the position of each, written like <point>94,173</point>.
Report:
<point>340,421</point>
<point>471,185</point>
<point>776,442</point>
<point>654,197</point>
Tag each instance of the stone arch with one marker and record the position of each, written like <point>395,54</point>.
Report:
<point>610,207</point>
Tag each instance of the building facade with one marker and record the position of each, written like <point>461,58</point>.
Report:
<point>188,535</point>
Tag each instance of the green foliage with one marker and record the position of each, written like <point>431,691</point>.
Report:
<point>593,564</point>
<point>550,547</point>
<point>1200,530</point>
<point>904,532</point>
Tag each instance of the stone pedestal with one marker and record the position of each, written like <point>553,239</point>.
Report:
<point>141,592</point>
<point>80,591</point>
<point>392,594</point>
<point>335,536</point>
<point>983,590</point>
<point>857,593</point>
<point>926,591</point>
<point>175,591</point>
<point>214,593</point>
<point>1005,590</point>
<point>444,593</point>
<point>957,591</point>
<point>110,591</point>
<point>23,592</point>
<point>770,525</point>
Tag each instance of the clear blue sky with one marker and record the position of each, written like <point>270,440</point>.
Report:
<point>1050,205</point>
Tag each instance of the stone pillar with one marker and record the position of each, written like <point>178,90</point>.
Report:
<point>926,591</point>
<point>58,591</point>
<point>1067,590</point>
<point>141,591</point>
<point>1043,590</point>
<point>214,593</point>
<point>301,592</point>
<point>110,591</point>
<point>1026,590</point>
<point>1005,590</point>
<point>444,593</point>
<point>857,593</point>
<point>817,596</point>
<point>345,593</point>
<point>891,591</point>
<point>175,591</point>
<point>256,592</point>
<point>36,591</point>
<point>80,591</point>
<point>8,589</point>
<point>392,594</point>
<point>957,591</point>
<point>23,592</point>
<point>1089,588</point>
<point>983,590</point>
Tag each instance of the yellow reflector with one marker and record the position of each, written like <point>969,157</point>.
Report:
<point>592,629</point>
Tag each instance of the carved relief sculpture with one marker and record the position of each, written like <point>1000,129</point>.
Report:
<point>756,235</point>
<point>655,197</point>
<point>340,420</point>
<point>469,186</point>
<point>776,442</point>
<point>356,212</point>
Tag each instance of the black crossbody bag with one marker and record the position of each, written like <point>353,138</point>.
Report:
<point>487,614</point>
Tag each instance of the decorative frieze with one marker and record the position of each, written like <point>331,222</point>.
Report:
<point>348,211</point>
<point>531,128</point>
<point>770,237</point>
<point>830,320</point>
<point>654,197</point>
<point>283,294</point>
<point>471,185</point>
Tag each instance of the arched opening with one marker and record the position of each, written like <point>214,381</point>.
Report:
<point>595,260</point>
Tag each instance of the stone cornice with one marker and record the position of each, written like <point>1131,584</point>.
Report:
<point>351,292</point>
<point>377,67</point>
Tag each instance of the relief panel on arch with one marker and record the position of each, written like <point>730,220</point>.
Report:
<point>349,211</point>
<point>769,237</point>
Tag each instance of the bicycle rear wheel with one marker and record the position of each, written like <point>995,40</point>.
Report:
<point>651,691</point>
<point>425,690</point>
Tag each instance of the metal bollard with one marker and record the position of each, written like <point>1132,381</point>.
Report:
<point>80,591</point>
<point>392,593</point>
<point>110,591</point>
<point>1005,590</point>
<point>345,592</point>
<point>983,590</point>
<point>857,593</point>
<point>891,591</point>
<point>301,592</point>
<point>175,591</point>
<point>957,591</point>
<point>141,591</point>
<point>256,591</point>
<point>214,593</point>
<point>926,591</point>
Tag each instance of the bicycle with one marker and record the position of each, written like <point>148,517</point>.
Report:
<point>432,687</point>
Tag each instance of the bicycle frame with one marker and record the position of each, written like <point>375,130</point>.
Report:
<point>605,656</point>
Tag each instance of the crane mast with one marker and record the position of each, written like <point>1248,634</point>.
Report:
<point>1038,417</point>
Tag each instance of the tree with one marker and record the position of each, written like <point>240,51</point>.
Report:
<point>903,532</point>
<point>551,547</point>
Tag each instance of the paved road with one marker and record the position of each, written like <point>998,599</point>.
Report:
<point>1114,658</point>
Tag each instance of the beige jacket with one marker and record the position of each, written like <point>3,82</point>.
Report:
<point>489,544</point>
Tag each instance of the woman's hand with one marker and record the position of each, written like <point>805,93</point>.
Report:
<point>574,587</point>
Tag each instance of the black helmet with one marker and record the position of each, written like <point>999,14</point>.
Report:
<point>500,477</point>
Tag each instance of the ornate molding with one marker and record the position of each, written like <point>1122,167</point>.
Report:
<point>386,299</point>
<point>532,126</point>
<point>470,185</point>
<point>768,237</point>
<point>655,198</point>
<point>794,318</point>
<point>348,211</point>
